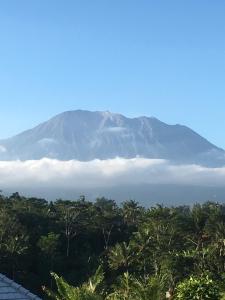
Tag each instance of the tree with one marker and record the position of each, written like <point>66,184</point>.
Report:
<point>87,291</point>
<point>131,288</point>
<point>121,256</point>
<point>48,245</point>
<point>70,217</point>
<point>108,218</point>
<point>132,213</point>
<point>13,239</point>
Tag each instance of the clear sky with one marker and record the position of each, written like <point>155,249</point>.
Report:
<point>136,57</point>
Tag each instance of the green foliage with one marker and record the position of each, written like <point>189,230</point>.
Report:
<point>87,291</point>
<point>144,252</point>
<point>121,256</point>
<point>195,288</point>
<point>48,244</point>
<point>131,288</point>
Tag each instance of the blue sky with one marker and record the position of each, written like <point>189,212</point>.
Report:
<point>157,58</point>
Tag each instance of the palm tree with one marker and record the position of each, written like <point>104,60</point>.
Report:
<point>131,212</point>
<point>121,256</point>
<point>131,288</point>
<point>87,291</point>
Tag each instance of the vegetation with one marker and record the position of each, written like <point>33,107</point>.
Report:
<point>143,253</point>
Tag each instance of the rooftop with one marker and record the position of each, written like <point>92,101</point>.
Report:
<point>9,290</point>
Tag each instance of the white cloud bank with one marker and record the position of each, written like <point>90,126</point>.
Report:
<point>104,173</point>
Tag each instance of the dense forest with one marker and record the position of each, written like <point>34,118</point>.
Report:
<point>100,250</point>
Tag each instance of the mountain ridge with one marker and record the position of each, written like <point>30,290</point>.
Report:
<point>86,135</point>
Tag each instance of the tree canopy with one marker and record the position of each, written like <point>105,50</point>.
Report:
<point>143,253</point>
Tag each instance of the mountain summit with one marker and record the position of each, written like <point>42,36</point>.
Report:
<point>85,135</point>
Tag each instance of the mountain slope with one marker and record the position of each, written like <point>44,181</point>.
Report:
<point>86,135</point>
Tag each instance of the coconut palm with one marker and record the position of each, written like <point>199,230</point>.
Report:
<point>87,291</point>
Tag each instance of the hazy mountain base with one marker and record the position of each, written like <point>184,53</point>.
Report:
<point>147,195</point>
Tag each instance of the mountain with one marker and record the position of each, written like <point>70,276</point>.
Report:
<point>146,194</point>
<point>85,135</point>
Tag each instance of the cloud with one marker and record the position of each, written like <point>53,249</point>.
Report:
<point>50,173</point>
<point>113,129</point>
<point>47,141</point>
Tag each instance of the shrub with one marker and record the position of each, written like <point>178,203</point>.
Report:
<point>198,288</point>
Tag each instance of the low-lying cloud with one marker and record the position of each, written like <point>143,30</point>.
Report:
<point>105,173</point>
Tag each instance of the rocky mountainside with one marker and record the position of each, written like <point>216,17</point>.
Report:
<point>85,135</point>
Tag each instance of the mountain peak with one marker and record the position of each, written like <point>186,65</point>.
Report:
<point>86,135</point>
